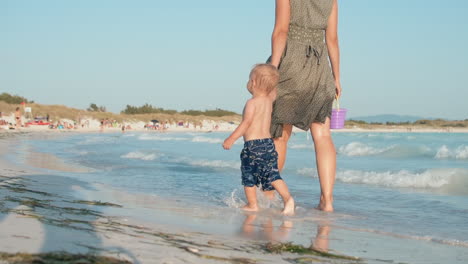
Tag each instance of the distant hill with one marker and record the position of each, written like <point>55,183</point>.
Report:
<point>389,118</point>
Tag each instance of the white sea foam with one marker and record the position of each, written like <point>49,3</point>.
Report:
<point>79,152</point>
<point>359,149</point>
<point>140,155</point>
<point>356,149</point>
<point>157,137</point>
<point>459,153</point>
<point>302,146</point>
<point>207,140</point>
<point>451,180</point>
<point>96,140</point>
<point>214,163</point>
<point>307,172</point>
<point>234,201</point>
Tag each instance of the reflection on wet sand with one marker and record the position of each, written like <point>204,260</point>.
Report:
<point>321,241</point>
<point>52,162</point>
<point>262,228</point>
<point>265,230</point>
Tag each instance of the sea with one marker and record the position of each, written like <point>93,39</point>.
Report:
<point>399,197</point>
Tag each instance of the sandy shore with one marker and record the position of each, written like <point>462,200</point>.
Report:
<point>230,128</point>
<point>92,125</point>
<point>41,211</point>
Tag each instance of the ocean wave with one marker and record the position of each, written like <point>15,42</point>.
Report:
<point>140,155</point>
<point>359,149</point>
<point>96,140</point>
<point>160,138</point>
<point>443,241</point>
<point>356,149</point>
<point>214,163</point>
<point>460,153</point>
<point>207,140</point>
<point>449,180</point>
<point>302,146</point>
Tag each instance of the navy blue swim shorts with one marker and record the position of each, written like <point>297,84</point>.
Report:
<point>259,163</point>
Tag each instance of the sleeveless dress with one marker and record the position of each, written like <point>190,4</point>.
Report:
<point>306,88</point>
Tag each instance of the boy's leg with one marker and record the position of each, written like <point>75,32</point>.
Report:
<point>249,180</point>
<point>281,187</point>
<point>269,194</point>
<point>251,195</point>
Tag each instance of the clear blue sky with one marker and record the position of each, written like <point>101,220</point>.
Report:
<point>398,57</point>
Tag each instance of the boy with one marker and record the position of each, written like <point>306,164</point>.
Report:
<point>259,157</point>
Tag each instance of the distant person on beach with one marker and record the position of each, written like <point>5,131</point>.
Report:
<point>2,122</point>
<point>18,117</point>
<point>305,51</point>
<point>259,157</point>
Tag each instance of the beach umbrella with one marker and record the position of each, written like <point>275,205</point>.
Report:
<point>154,121</point>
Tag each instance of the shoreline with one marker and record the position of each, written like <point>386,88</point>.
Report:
<point>43,213</point>
<point>230,129</point>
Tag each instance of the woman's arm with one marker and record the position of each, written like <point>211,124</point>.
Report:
<point>280,33</point>
<point>333,47</point>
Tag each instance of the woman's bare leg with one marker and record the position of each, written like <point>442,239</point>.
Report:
<point>326,163</point>
<point>281,146</point>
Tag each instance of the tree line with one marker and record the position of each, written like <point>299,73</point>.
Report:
<point>149,109</point>
<point>13,99</point>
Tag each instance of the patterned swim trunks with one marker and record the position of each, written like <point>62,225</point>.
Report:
<point>259,163</point>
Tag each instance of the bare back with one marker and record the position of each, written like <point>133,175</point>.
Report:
<point>260,126</point>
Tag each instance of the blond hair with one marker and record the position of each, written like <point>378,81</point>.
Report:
<point>265,76</point>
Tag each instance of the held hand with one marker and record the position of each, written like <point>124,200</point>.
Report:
<point>338,89</point>
<point>228,143</point>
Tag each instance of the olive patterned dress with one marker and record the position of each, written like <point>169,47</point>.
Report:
<point>306,88</point>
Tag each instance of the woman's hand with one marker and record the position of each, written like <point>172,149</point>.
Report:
<point>338,88</point>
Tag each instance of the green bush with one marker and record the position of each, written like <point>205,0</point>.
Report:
<point>149,109</point>
<point>13,99</point>
<point>217,112</point>
<point>146,109</point>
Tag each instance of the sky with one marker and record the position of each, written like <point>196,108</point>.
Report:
<point>405,57</point>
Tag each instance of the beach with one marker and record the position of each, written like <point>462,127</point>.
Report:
<point>151,197</point>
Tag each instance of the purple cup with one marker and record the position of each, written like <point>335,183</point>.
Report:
<point>338,118</point>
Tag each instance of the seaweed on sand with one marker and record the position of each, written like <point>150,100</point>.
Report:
<point>279,248</point>
<point>97,203</point>
<point>59,258</point>
<point>20,188</point>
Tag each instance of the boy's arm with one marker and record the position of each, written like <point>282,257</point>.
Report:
<point>247,119</point>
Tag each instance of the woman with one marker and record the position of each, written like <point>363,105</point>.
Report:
<point>18,118</point>
<point>305,33</point>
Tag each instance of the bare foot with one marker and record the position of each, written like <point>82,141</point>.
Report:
<point>250,208</point>
<point>326,207</point>
<point>289,207</point>
<point>319,205</point>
